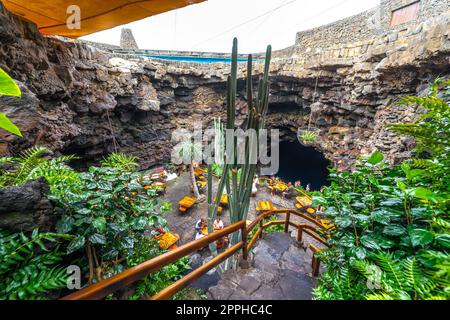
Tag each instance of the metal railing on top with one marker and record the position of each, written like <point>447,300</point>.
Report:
<point>105,287</point>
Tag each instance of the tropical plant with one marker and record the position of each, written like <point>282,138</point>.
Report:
<point>34,163</point>
<point>30,265</point>
<point>392,231</point>
<point>308,137</point>
<point>8,87</point>
<point>190,152</point>
<point>120,161</point>
<point>239,187</point>
<point>161,279</point>
<point>108,212</point>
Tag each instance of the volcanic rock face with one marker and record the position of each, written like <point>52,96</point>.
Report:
<point>26,207</point>
<point>79,99</point>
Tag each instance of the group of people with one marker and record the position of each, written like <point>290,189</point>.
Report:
<point>202,224</point>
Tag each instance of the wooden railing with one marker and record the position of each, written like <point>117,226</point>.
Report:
<point>105,287</point>
<point>316,230</point>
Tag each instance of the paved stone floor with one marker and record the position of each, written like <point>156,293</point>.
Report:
<point>280,270</point>
<point>183,224</point>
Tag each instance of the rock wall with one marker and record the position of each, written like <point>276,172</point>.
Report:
<point>82,100</point>
<point>26,207</point>
<point>366,25</point>
<point>127,40</point>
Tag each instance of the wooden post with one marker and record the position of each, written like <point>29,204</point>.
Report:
<point>300,234</point>
<point>244,240</point>
<point>288,219</point>
<point>315,266</point>
<point>261,227</point>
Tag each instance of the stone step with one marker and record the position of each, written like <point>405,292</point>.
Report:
<point>279,270</point>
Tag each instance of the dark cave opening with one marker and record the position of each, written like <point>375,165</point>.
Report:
<point>304,164</point>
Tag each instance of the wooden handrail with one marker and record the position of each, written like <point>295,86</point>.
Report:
<point>103,288</point>
<point>308,229</point>
<point>194,275</point>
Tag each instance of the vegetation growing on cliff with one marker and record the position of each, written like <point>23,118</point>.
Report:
<point>110,215</point>
<point>8,87</point>
<point>393,227</point>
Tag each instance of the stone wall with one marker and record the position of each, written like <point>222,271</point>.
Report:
<point>366,25</point>
<point>127,40</point>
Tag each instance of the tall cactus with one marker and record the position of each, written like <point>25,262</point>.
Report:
<point>239,188</point>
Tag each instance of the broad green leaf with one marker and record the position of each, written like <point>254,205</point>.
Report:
<point>424,194</point>
<point>347,241</point>
<point>394,230</point>
<point>65,225</point>
<point>443,240</point>
<point>8,87</point>
<point>97,239</point>
<point>359,252</point>
<point>420,237</point>
<point>75,244</point>
<point>99,224</point>
<point>375,158</point>
<point>369,242</point>
<point>7,125</point>
<point>343,221</point>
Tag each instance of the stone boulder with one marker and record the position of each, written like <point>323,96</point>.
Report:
<point>26,207</point>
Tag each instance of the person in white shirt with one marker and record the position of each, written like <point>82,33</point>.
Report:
<point>218,224</point>
<point>199,235</point>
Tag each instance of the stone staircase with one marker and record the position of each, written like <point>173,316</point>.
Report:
<point>279,270</point>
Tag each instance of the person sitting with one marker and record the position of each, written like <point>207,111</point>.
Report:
<point>199,235</point>
<point>290,192</point>
<point>199,225</point>
<point>218,224</point>
<point>254,186</point>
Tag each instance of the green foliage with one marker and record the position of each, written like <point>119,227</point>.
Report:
<point>188,152</point>
<point>161,279</point>
<point>120,161</point>
<point>33,164</point>
<point>8,87</point>
<point>392,236</point>
<point>108,211</point>
<point>30,265</point>
<point>308,137</point>
<point>238,178</point>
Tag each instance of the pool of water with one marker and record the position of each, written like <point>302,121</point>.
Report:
<point>199,59</point>
<point>304,164</point>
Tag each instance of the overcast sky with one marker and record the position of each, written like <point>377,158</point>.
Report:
<point>211,25</point>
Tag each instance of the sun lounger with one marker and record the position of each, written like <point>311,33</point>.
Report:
<point>167,240</point>
<point>264,206</point>
<point>186,203</point>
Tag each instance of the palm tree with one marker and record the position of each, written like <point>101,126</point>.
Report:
<point>191,152</point>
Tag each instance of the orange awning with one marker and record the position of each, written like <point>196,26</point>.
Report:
<point>96,15</point>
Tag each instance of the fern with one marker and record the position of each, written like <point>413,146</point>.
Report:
<point>120,161</point>
<point>29,265</point>
<point>392,269</point>
<point>33,164</point>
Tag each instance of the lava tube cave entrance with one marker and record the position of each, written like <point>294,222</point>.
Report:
<point>304,164</point>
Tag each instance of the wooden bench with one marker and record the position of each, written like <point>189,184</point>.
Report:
<point>264,206</point>
<point>168,240</point>
<point>186,203</point>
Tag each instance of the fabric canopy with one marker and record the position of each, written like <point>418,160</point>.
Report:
<point>51,16</point>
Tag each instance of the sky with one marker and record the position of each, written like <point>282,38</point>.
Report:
<point>211,25</point>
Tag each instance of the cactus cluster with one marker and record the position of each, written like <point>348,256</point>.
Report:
<point>239,186</point>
